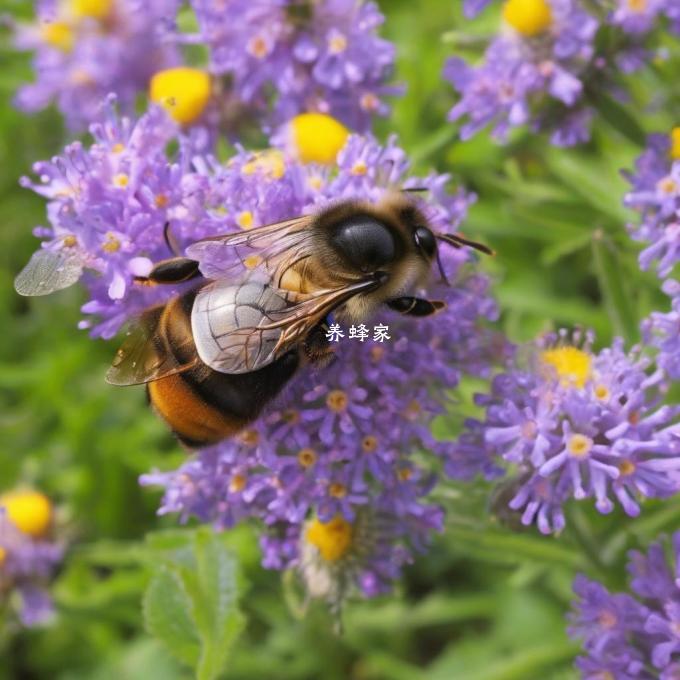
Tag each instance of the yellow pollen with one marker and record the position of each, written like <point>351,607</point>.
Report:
<point>161,201</point>
<point>337,44</point>
<point>634,417</point>
<point>258,47</point>
<point>183,92</point>
<point>250,437</point>
<point>3,554</point>
<point>269,162</point>
<point>675,144</point>
<point>111,245</point>
<point>528,17</point>
<point>237,483</point>
<point>571,365</point>
<point>359,168</point>
<point>306,458</point>
<point>81,77</point>
<point>369,444</point>
<point>252,261</point>
<point>337,490</point>
<point>58,34</point>
<point>93,9</point>
<point>404,474</point>
<point>602,393</point>
<point>579,445</point>
<point>337,401</point>
<point>121,180</point>
<point>667,185</point>
<point>317,138</point>
<point>332,539</point>
<point>70,241</point>
<point>627,468</point>
<point>245,219</point>
<point>369,102</point>
<point>637,5</point>
<point>117,148</point>
<point>29,511</point>
<point>315,182</point>
<point>290,416</point>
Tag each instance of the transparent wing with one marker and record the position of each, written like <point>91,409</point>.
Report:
<point>241,328</point>
<point>274,247</point>
<point>144,355</point>
<point>48,271</point>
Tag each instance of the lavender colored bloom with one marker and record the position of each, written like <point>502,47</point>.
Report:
<point>324,56</point>
<point>26,566</point>
<point>472,8</point>
<point>638,17</point>
<point>578,424</point>
<point>84,52</point>
<point>661,330</point>
<point>636,635</point>
<point>336,451</point>
<point>530,75</point>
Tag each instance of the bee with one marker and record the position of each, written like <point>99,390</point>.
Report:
<point>214,356</point>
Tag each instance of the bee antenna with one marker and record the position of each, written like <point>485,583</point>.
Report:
<point>171,241</point>
<point>414,190</point>
<point>445,279</point>
<point>458,241</point>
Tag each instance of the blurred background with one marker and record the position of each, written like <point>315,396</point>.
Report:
<point>487,602</point>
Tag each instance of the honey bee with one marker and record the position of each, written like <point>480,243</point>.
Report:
<point>213,357</point>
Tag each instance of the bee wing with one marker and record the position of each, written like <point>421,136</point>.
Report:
<point>241,328</point>
<point>144,355</point>
<point>47,271</point>
<point>274,247</point>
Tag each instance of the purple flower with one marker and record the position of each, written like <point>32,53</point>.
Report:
<point>26,567</point>
<point>83,53</point>
<point>637,17</point>
<point>324,56</point>
<point>662,331</point>
<point>578,424</point>
<point>629,635</point>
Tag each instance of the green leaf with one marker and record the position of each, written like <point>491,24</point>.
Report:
<point>167,607</point>
<point>617,296</point>
<point>619,118</point>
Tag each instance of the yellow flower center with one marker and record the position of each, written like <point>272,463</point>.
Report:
<point>315,182</point>
<point>667,185</point>
<point>528,17</point>
<point>369,102</point>
<point>571,365</point>
<point>270,162</point>
<point>369,444</point>
<point>317,138</point>
<point>121,180</point>
<point>337,44</point>
<point>675,144</point>
<point>337,490</point>
<point>290,416</point>
<point>637,5</point>
<point>161,201</point>
<point>607,619</point>
<point>332,539</point>
<point>245,219</point>
<point>579,445</point>
<point>118,147</point>
<point>627,468</point>
<point>183,92</point>
<point>250,437</point>
<point>237,483</point>
<point>3,554</point>
<point>70,241</point>
<point>94,9</point>
<point>337,401</point>
<point>404,474</point>
<point>29,511</point>
<point>602,393</point>
<point>258,47</point>
<point>306,458</point>
<point>111,245</point>
<point>58,34</point>
<point>359,168</point>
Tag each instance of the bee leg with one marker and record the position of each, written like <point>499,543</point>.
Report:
<point>317,348</point>
<point>174,270</point>
<point>412,306</point>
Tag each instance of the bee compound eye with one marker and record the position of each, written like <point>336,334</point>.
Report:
<point>366,243</point>
<point>425,240</point>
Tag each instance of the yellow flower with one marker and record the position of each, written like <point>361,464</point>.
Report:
<point>571,365</point>
<point>317,138</point>
<point>93,9</point>
<point>58,34</point>
<point>332,539</point>
<point>29,511</point>
<point>528,17</point>
<point>184,92</point>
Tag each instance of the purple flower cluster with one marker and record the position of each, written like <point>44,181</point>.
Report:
<point>655,195</point>
<point>86,50</point>
<point>323,56</point>
<point>26,566</point>
<point>632,635</point>
<point>576,424</point>
<point>547,67</point>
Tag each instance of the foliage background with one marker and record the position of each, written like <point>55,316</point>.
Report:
<point>488,602</point>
